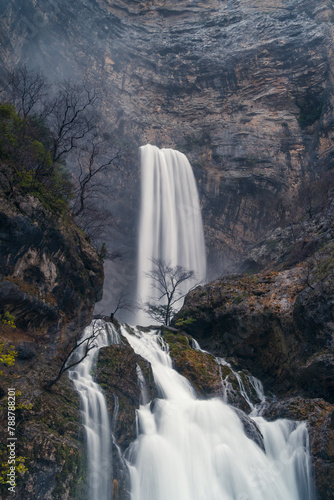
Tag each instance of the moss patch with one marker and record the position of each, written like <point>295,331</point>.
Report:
<point>199,368</point>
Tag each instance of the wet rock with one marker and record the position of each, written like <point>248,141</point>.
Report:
<point>243,319</point>
<point>251,429</point>
<point>117,374</point>
<point>198,367</point>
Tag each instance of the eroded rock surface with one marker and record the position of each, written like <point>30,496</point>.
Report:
<point>244,88</point>
<point>50,278</point>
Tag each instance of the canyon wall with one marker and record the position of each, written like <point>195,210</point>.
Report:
<point>244,88</point>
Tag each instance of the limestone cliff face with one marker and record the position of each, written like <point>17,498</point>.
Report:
<point>245,88</point>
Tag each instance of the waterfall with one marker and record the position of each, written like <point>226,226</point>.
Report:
<point>186,448</point>
<point>170,227</point>
<point>94,411</point>
<point>190,449</point>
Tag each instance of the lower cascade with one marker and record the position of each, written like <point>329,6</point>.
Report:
<point>190,449</point>
<point>187,448</point>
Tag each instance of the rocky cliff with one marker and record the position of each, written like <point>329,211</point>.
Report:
<point>277,322</point>
<point>50,278</point>
<point>244,88</point>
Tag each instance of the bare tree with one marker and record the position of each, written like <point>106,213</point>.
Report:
<point>168,281</point>
<point>115,255</point>
<point>59,132</point>
<point>28,91</point>
<point>95,220</point>
<point>123,304</point>
<point>72,117</point>
<point>79,351</point>
<point>94,159</point>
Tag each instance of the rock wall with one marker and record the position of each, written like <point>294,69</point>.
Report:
<point>244,88</point>
<point>50,278</point>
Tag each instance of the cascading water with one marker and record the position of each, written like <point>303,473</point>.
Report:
<point>190,449</point>
<point>170,227</point>
<point>94,410</point>
<point>186,449</point>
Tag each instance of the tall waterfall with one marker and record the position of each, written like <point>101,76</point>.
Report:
<point>170,227</point>
<point>190,449</point>
<point>94,410</point>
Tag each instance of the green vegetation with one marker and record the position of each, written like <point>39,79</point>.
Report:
<point>45,127</point>
<point>184,322</point>
<point>20,468</point>
<point>198,367</point>
<point>7,357</point>
<point>26,163</point>
<point>8,319</point>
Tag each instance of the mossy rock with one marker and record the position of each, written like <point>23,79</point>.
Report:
<point>51,440</point>
<point>198,367</point>
<point>116,372</point>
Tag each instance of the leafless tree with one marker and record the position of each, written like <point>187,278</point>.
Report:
<point>28,91</point>
<point>168,281</point>
<point>79,351</point>
<point>123,304</point>
<point>73,117</point>
<point>114,255</point>
<point>65,119</point>
<point>95,220</point>
<point>95,158</point>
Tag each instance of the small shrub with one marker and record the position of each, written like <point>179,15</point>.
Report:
<point>184,322</point>
<point>8,357</point>
<point>8,319</point>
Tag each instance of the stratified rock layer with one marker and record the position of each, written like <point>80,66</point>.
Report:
<point>244,88</point>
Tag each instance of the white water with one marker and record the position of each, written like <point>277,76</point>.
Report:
<point>170,227</point>
<point>94,411</point>
<point>186,449</point>
<point>189,449</point>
